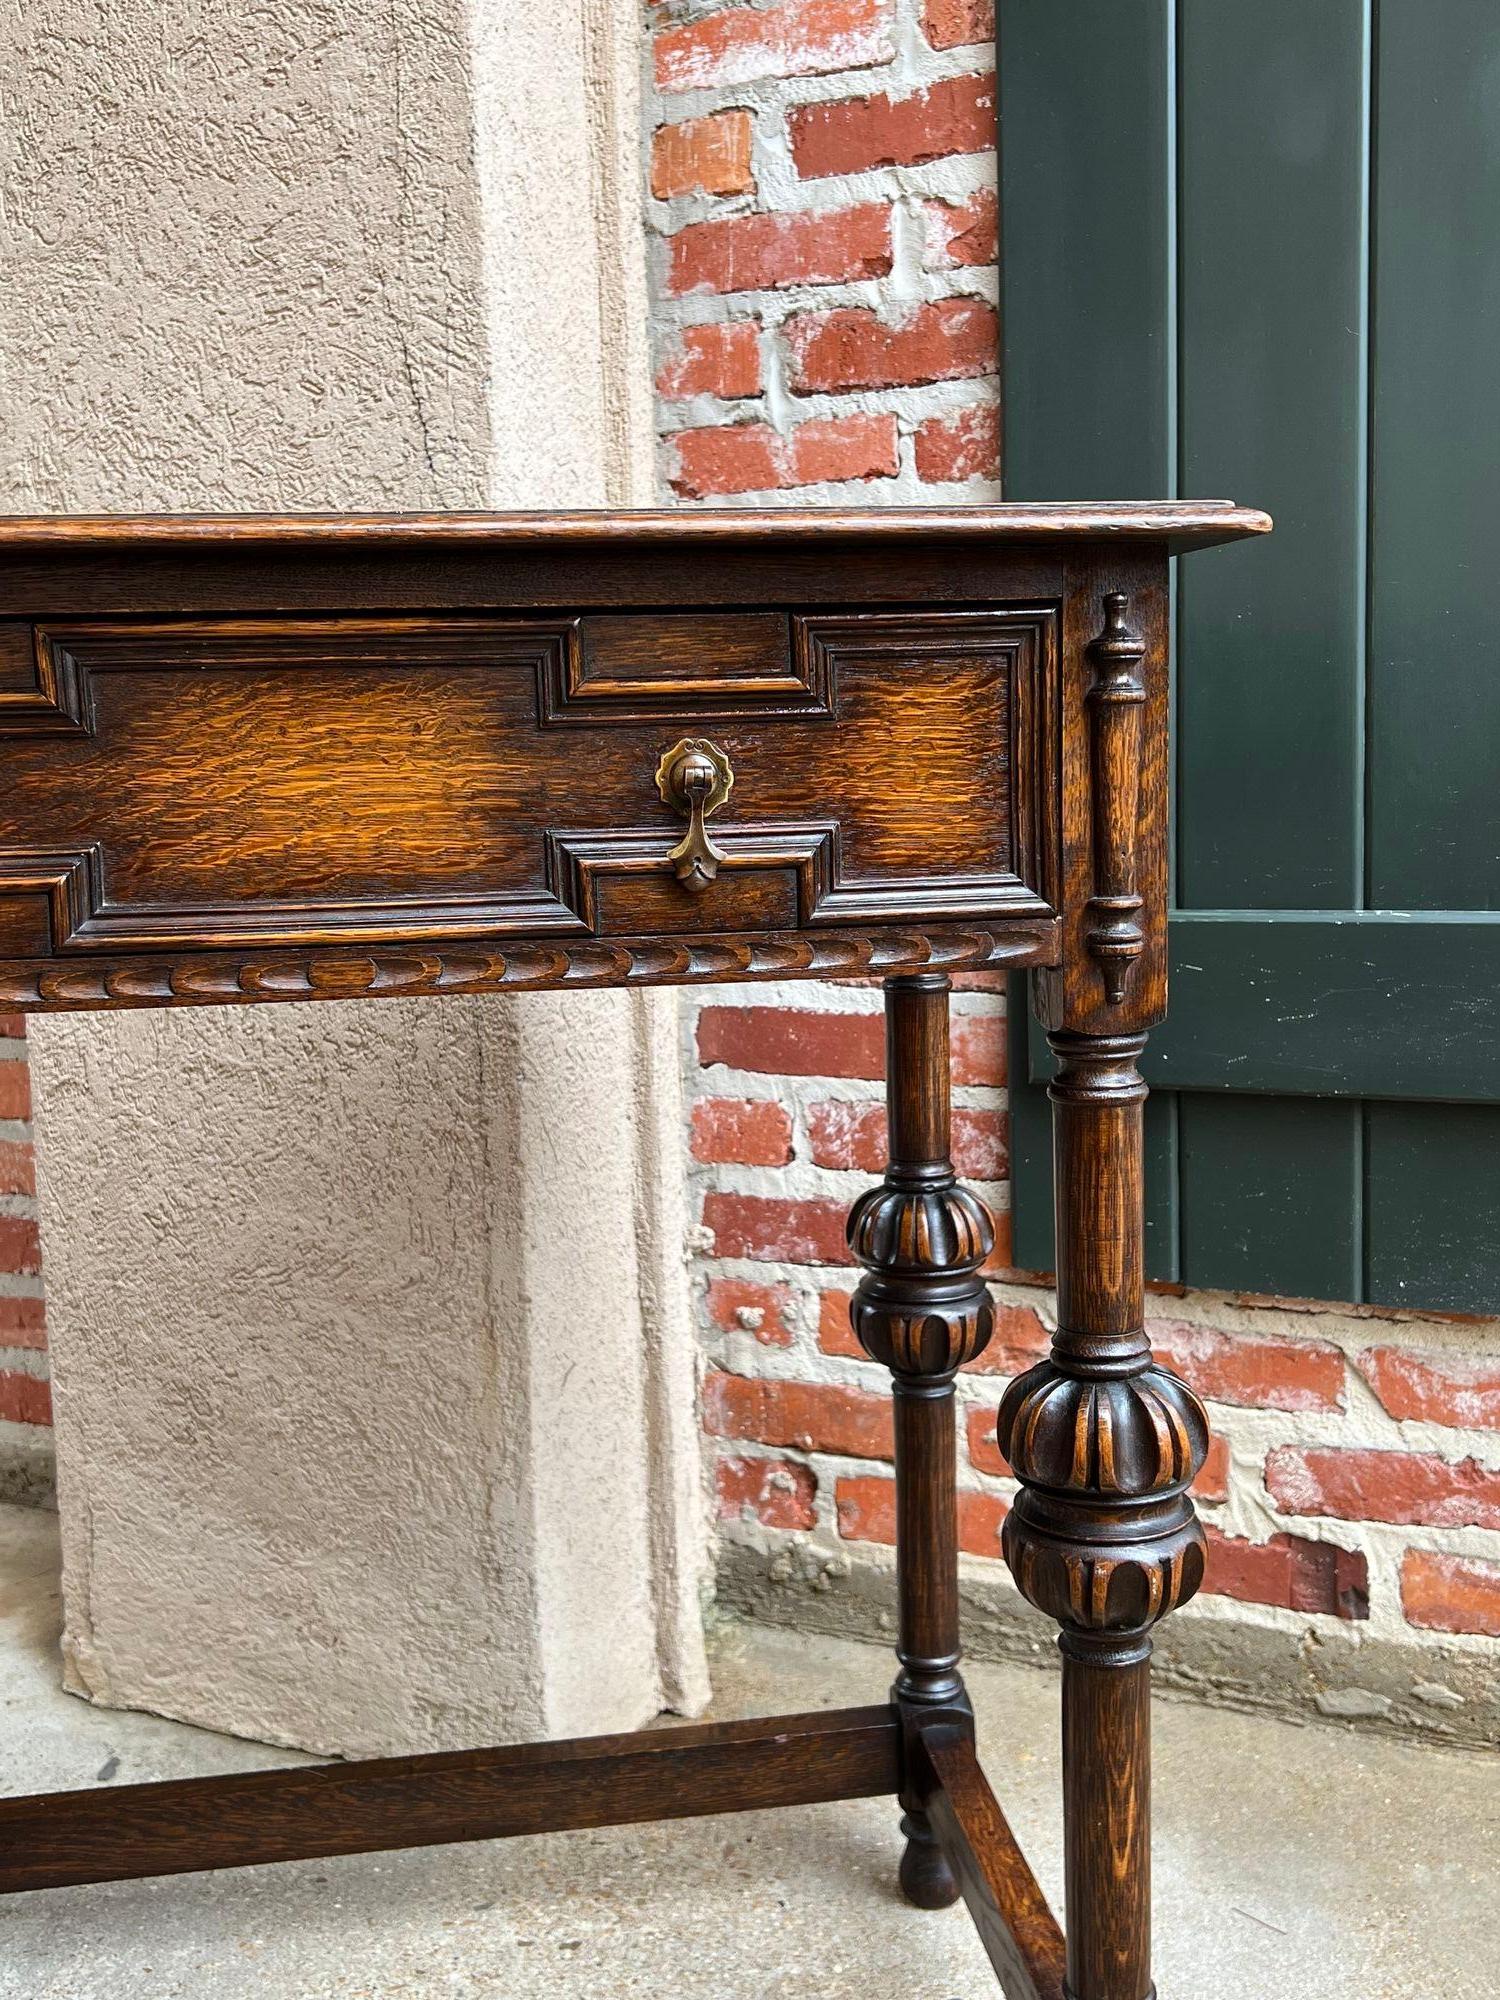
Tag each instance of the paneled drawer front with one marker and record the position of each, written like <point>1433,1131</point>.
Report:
<point>227,783</point>
<point>627,668</point>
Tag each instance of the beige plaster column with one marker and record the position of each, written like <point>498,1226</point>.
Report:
<point>373,1362</point>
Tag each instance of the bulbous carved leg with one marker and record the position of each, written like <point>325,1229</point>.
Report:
<point>1102,1536</point>
<point>922,1310</point>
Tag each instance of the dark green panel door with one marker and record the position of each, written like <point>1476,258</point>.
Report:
<point>1094,383</point>
<point>1434,708</point>
<point>1286,273</point>
<point>1272,125</point>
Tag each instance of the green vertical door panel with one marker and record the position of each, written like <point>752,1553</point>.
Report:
<point>1086,150</point>
<point>1270,643</point>
<point>1272,122</point>
<point>1435,653</point>
<point>1271,1178</point>
<point>1163,1187</point>
<point>1433,1206</point>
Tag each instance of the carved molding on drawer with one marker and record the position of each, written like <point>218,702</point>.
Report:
<point>578,861</point>
<point>643,668</point>
<point>596,668</point>
<point>67,656</point>
<point>934,901</point>
<point>298,783</point>
<point>136,927</point>
<point>81,916</point>
<point>66,882</point>
<point>43,691</point>
<point>1024,640</point>
<point>349,973</point>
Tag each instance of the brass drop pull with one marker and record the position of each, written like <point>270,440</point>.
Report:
<point>694,777</point>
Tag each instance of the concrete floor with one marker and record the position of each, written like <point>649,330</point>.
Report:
<point>1290,1861</point>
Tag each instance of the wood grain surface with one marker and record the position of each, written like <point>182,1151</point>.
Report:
<point>1188,524</point>
<point>118,1832</point>
<point>1012,1916</point>
<point>221,784</point>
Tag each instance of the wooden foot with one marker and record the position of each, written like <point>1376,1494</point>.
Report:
<point>926,1878</point>
<point>922,1310</point>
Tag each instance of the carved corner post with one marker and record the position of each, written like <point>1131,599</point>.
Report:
<point>1117,702</point>
<point>922,1310</point>
<point>1104,1443</point>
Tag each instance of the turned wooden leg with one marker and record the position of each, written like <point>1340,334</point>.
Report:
<point>1102,1536</point>
<point>922,1310</point>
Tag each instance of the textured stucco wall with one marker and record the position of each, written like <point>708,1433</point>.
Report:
<point>342,1461</point>
<point>357,1340</point>
<point>558,171</point>
<point>242,255</point>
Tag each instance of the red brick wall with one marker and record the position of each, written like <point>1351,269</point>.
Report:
<point>25,1399</point>
<point>823,182</point>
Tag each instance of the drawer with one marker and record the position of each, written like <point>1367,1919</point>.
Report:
<point>231,782</point>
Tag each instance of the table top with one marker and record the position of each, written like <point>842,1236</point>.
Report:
<point>1182,524</point>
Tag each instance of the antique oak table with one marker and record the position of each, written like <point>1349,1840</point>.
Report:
<point>255,759</point>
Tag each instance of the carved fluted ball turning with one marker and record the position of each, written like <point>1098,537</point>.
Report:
<point>922,1307</point>
<point>1129,1436</point>
<point>1117,1577</point>
<point>1103,1536</point>
<point>923,1229</point>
